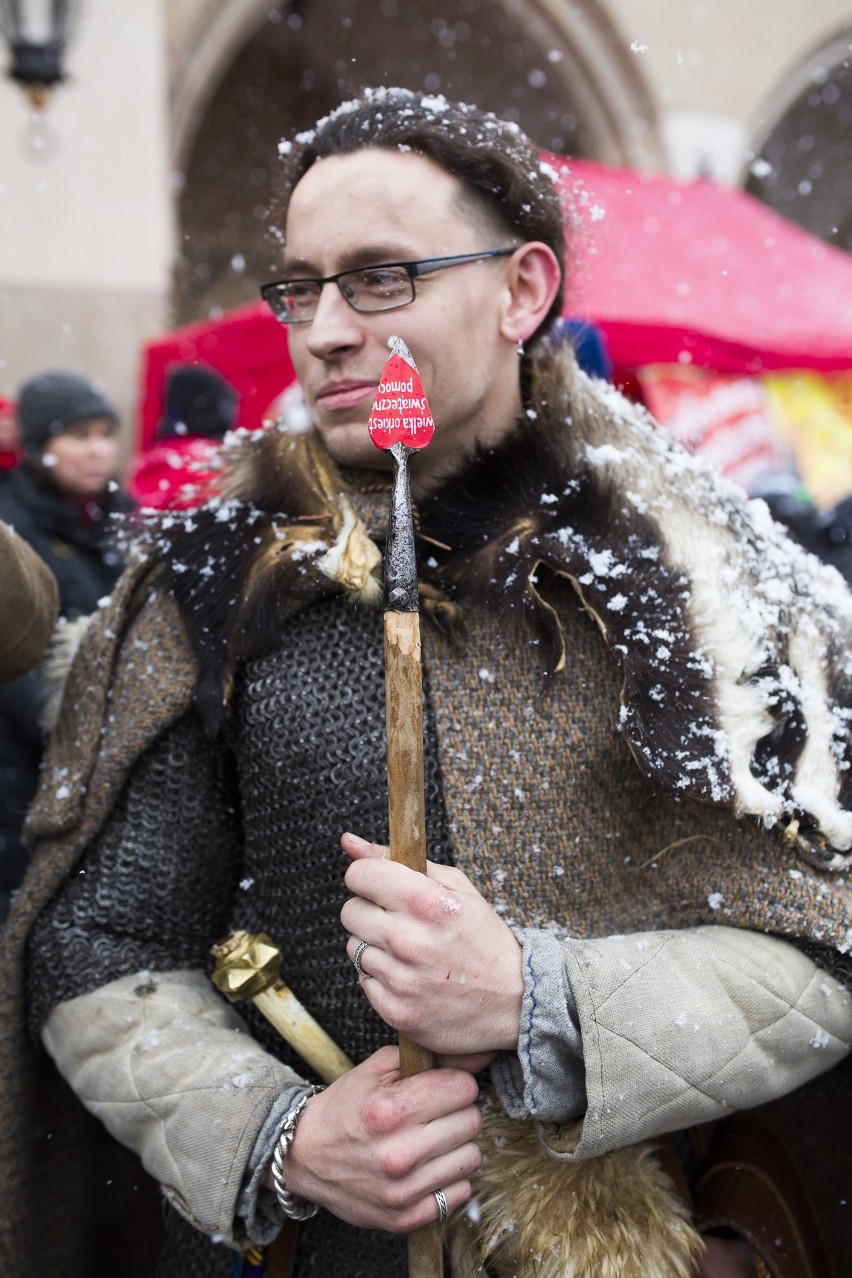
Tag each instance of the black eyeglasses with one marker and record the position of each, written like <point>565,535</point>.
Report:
<point>370,288</point>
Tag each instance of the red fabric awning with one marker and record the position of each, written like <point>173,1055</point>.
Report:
<point>671,270</point>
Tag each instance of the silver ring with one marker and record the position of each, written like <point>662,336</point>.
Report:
<point>356,957</point>
<point>443,1211</point>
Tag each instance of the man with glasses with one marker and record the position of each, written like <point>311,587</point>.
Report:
<point>612,673</point>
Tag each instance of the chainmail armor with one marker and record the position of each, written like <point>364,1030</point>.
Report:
<point>155,886</point>
<point>308,743</point>
<point>300,789</point>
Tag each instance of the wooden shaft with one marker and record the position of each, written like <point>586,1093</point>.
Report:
<point>404,714</point>
<point>406,783</point>
<point>426,1252</point>
<point>407,819</point>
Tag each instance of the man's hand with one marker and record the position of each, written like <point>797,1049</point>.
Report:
<point>374,1147</point>
<point>440,966</point>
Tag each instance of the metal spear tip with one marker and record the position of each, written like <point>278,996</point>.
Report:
<point>400,413</point>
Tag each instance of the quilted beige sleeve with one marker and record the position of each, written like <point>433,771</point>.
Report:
<point>681,1027</point>
<point>167,1066</point>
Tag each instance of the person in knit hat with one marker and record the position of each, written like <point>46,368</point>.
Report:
<point>62,495</point>
<point>62,499</point>
<point>50,404</point>
<point>180,470</point>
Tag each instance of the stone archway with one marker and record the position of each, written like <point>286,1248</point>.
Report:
<point>256,75</point>
<point>803,155</point>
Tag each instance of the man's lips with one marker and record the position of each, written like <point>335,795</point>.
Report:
<point>334,396</point>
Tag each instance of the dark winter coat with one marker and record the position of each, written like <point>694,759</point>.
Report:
<point>78,546</point>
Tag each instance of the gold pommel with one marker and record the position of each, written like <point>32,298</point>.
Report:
<point>246,965</point>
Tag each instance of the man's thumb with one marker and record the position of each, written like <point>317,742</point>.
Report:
<point>359,849</point>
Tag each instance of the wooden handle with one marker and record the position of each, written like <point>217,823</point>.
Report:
<point>407,817</point>
<point>238,956</point>
<point>426,1253</point>
<point>298,1028</point>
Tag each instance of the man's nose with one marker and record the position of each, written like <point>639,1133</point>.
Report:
<point>336,326</point>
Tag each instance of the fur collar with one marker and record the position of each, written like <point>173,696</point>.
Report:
<point>734,643</point>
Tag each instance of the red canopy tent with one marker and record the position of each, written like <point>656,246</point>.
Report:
<point>702,273</point>
<point>670,271</point>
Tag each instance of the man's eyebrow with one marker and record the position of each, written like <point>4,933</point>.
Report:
<point>296,266</point>
<point>364,255</point>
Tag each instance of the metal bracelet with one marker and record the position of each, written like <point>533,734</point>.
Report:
<point>292,1206</point>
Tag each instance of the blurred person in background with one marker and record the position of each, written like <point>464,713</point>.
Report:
<point>181,469</point>
<point>59,499</point>
<point>10,438</point>
<point>826,533</point>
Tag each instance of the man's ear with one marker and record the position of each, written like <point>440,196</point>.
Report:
<point>534,276</point>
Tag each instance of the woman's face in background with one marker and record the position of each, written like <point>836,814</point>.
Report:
<point>82,459</point>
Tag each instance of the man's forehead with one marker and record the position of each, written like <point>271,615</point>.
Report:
<point>371,200</point>
<point>394,165</point>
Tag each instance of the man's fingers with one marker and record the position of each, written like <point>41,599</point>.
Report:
<point>384,1064</point>
<point>374,1148</point>
<point>363,850</point>
<point>452,1136</point>
<point>424,1099</point>
<point>472,1063</point>
<point>425,1210</point>
<point>372,961</point>
<point>393,886</point>
<point>454,1196</point>
<point>359,849</point>
<point>397,888</point>
<point>364,920</point>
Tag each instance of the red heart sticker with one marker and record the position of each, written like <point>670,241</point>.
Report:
<point>401,411</point>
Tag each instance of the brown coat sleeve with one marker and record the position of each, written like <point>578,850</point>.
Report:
<point>29,597</point>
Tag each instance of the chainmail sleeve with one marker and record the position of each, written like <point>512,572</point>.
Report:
<point>153,889</point>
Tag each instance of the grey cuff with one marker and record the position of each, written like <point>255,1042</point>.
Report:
<point>257,1206</point>
<point>545,1078</point>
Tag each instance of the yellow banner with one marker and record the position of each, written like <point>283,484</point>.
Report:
<point>813,414</point>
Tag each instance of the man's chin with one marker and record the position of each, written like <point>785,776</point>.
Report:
<point>350,445</point>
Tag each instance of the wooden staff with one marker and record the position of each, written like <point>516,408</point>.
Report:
<point>401,424</point>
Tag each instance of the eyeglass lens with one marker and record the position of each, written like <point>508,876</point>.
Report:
<point>371,289</point>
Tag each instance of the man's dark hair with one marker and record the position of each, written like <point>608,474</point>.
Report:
<point>497,165</point>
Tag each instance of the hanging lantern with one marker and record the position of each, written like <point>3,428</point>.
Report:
<point>36,32</point>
